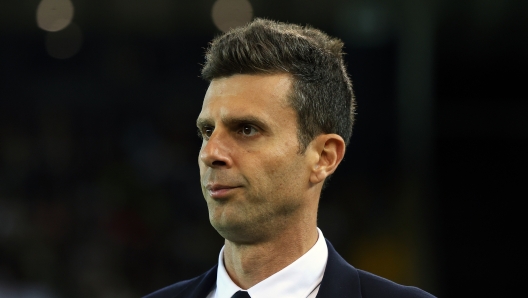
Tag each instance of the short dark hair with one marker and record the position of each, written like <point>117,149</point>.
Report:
<point>322,92</point>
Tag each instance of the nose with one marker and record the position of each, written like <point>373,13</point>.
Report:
<point>215,151</point>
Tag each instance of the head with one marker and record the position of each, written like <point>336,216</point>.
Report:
<point>321,93</point>
<point>275,122</point>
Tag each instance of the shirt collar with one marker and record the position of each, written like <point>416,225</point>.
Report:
<point>298,279</point>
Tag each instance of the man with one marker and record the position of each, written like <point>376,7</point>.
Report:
<point>275,122</point>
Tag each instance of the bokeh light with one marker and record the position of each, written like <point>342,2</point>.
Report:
<point>229,14</point>
<point>365,23</point>
<point>54,15</point>
<point>65,43</point>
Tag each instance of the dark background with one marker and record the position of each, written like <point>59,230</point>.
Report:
<point>99,188</point>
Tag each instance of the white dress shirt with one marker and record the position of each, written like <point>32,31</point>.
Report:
<point>300,279</point>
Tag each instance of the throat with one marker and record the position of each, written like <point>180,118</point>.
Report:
<point>249,264</point>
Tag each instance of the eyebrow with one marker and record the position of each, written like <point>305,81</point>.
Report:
<point>234,121</point>
<point>201,122</point>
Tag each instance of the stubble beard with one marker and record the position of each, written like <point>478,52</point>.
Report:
<point>257,222</point>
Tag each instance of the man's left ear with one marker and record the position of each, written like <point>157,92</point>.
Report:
<point>330,149</point>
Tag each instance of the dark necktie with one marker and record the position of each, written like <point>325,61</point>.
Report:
<point>241,294</point>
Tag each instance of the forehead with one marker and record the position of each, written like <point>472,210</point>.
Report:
<point>262,96</point>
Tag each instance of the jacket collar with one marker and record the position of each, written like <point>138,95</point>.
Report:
<point>340,278</point>
<point>202,286</point>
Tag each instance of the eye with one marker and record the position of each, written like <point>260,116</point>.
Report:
<point>208,131</point>
<point>248,130</point>
<point>205,132</point>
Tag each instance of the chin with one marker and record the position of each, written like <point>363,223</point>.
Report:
<point>238,232</point>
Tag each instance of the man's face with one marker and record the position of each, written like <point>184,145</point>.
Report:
<point>252,176</point>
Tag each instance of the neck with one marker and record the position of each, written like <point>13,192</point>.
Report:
<point>249,264</point>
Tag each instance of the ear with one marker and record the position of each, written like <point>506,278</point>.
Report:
<point>330,150</point>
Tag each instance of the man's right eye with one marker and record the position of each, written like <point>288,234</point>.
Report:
<point>206,132</point>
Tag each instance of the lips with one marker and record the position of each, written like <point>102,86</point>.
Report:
<point>219,191</point>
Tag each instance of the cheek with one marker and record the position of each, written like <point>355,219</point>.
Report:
<point>203,171</point>
<point>285,170</point>
<point>201,166</point>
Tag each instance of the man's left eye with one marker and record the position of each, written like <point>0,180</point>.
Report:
<point>248,130</point>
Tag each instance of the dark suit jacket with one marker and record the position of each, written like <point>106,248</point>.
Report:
<point>340,280</point>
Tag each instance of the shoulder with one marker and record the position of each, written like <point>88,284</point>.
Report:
<point>343,280</point>
<point>376,286</point>
<point>199,286</point>
<point>174,289</point>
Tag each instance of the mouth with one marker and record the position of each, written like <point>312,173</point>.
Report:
<point>218,191</point>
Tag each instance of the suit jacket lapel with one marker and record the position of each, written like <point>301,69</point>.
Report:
<point>201,287</point>
<point>340,278</point>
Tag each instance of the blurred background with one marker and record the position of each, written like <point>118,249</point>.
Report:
<point>99,184</point>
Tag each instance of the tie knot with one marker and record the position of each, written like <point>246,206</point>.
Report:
<point>241,294</point>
